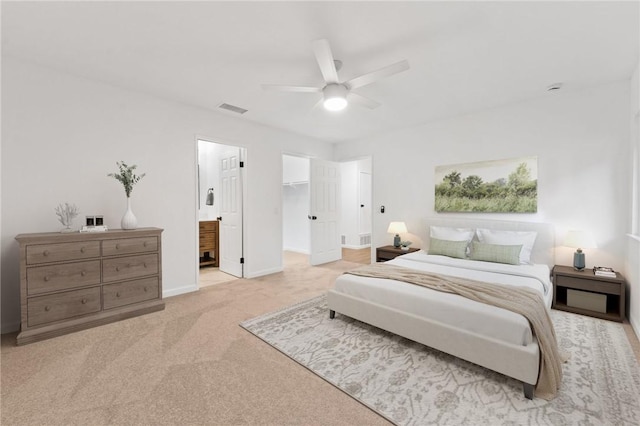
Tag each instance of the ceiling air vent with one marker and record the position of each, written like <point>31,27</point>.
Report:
<point>232,108</point>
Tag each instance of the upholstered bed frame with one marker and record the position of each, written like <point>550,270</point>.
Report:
<point>517,361</point>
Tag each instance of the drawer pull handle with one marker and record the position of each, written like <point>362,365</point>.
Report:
<point>117,269</point>
<point>83,273</point>
<point>47,308</point>
<point>45,253</point>
<point>84,301</point>
<point>117,246</point>
<point>144,264</point>
<point>145,289</point>
<point>82,250</point>
<point>144,244</point>
<point>46,278</point>
<point>117,294</point>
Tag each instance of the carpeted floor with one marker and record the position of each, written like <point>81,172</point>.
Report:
<point>411,384</point>
<point>190,364</point>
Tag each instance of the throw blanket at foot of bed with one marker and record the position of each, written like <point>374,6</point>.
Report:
<point>523,301</point>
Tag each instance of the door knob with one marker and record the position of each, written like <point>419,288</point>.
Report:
<point>219,218</point>
<point>312,217</point>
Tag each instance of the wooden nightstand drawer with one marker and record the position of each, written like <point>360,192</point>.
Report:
<point>45,253</point>
<point>588,284</point>
<point>56,307</point>
<point>44,279</point>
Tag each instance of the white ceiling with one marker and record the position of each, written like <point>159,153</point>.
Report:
<point>464,56</point>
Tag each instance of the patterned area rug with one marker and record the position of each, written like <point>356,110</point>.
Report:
<point>410,384</point>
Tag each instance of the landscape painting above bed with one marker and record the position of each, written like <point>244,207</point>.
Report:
<point>497,186</point>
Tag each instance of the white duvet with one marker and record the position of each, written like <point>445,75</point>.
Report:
<point>449,308</point>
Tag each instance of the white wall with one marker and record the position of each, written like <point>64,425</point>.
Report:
<point>296,229</point>
<point>62,134</point>
<point>632,267</point>
<point>209,169</point>
<point>580,138</point>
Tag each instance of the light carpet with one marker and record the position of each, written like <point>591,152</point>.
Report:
<point>410,384</point>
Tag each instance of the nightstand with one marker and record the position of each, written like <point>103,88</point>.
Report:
<point>390,252</point>
<point>583,292</point>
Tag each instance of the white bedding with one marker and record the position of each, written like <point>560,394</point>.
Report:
<point>450,308</point>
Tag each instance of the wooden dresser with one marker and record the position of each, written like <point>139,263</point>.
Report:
<point>73,281</point>
<point>209,243</point>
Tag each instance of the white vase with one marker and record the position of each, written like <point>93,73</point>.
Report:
<point>129,220</point>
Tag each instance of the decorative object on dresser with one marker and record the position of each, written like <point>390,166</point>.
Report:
<point>583,292</point>
<point>579,239</point>
<point>66,214</point>
<point>69,282</point>
<point>390,252</point>
<point>128,179</point>
<point>397,228</point>
<point>209,243</point>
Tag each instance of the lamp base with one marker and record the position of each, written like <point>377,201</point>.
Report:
<point>396,241</point>
<point>578,260</point>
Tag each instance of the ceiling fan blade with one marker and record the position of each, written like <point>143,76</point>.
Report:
<point>281,88</point>
<point>369,78</point>
<point>325,61</point>
<point>361,100</point>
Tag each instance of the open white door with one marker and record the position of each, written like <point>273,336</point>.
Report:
<point>230,225</point>
<point>324,212</point>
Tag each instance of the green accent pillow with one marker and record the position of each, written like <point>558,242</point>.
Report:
<point>496,253</point>
<point>448,248</point>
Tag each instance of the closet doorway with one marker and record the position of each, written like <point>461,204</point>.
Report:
<point>220,208</point>
<point>354,200</point>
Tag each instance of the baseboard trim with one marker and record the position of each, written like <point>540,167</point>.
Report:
<point>264,272</point>
<point>296,250</point>
<point>178,291</point>
<point>635,326</point>
<point>10,327</point>
<point>349,246</point>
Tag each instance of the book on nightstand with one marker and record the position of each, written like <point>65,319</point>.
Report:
<point>603,271</point>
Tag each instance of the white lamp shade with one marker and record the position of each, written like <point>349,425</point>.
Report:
<point>397,228</point>
<point>579,239</point>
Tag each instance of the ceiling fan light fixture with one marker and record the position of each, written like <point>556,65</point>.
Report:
<point>335,97</point>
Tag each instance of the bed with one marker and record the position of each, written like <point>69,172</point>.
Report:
<point>491,337</point>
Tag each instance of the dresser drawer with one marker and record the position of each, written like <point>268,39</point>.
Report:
<point>124,268</point>
<point>63,276</point>
<point>126,293</point>
<point>68,304</point>
<point>45,253</point>
<point>129,245</point>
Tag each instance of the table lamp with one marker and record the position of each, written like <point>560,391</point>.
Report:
<point>397,228</point>
<point>579,239</point>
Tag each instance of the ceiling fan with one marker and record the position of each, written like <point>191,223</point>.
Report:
<point>337,94</point>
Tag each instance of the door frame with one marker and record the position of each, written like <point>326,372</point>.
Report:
<point>244,153</point>
<point>344,160</point>
<point>373,209</point>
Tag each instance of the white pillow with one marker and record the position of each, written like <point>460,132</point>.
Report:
<point>510,238</point>
<point>451,234</point>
